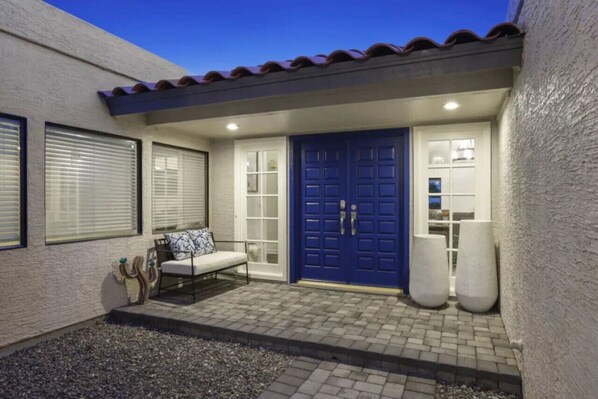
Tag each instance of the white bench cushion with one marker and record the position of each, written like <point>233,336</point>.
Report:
<point>204,263</point>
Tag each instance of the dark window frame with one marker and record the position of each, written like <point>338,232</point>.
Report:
<point>139,154</point>
<point>22,181</point>
<point>207,184</point>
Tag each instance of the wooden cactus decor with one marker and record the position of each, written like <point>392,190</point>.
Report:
<point>138,272</point>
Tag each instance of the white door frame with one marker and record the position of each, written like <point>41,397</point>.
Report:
<point>481,133</point>
<point>261,270</point>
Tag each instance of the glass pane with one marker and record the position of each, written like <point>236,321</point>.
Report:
<point>253,184</point>
<point>270,161</point>
<point>463,150</point>
<point>438,207</point>
<point>271,251</point>
<point>271,230</point>
<point>254,229</point>
<point>252,161</point>
<point>271,207</point>
<point>270,182</point>
<point>438,180</point>
<point>254,252</point>
<point>463,180</point>
<point>438,152</point>
<point>254,205</point>
<point>453,269</point>
<point>440,229</point>
<point>463,207</point>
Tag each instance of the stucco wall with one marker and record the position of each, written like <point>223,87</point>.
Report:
<point>222,214</point>
<point>548,148</point>
<point>44,288</point>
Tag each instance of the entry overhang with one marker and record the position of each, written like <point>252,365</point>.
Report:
<point>468,67</point>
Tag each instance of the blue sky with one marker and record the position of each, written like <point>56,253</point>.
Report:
<point>220,35</point>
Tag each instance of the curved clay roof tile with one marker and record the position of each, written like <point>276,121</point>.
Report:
<point>275,66</point>
<point>122,91</point>
<point>421,43</point>
<point>191,80</point>
<point>166,84</point>
<point>215,76</point>
<point>503,29</point>
<point>304,61</point>
<point>143,87</point>
<point>461,37</point>
<point>380,49</point>
<point>345,55</point>
<point>242,71</point>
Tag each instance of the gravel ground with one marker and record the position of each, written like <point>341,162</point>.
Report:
<point>450,391</point>
<point>118,361</point>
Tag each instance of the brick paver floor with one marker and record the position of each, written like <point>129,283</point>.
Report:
<point>385,333</point>
<point>308,378</point>
<point>366,318</point>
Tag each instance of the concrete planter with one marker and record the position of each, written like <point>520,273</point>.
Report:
<point>429,275</point>
<point>476,283</point>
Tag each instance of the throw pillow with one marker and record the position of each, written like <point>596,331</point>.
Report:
<point>179,242</point>
<point>203,241</point>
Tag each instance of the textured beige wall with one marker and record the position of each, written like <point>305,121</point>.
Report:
<point>44,288</point>
<point>548,186</point>
<point>222,174</point>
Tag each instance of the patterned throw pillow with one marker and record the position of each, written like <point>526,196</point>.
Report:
<point>203,241</point>
<point>180,242</point>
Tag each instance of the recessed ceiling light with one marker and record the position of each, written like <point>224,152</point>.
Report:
<point>232,126</point>
<point>451,105</point>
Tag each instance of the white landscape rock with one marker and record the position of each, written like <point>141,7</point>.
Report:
<point>429,275</point>
<point>476,284</point>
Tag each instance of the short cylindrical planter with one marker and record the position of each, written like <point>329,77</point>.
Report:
<point>429,276</point>
<point>476,284</point>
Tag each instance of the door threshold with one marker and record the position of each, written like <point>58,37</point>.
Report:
<point>364,289</point>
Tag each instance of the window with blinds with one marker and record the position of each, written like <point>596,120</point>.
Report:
<point>12,182</point>
<point>92,185</point>
<point>179,188</point>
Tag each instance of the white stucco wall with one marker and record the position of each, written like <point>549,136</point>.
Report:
<point>548,148</point>
<point>44,288</point>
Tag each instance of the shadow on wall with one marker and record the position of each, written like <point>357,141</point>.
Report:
<point>115,290</point>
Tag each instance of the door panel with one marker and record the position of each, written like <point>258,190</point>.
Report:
<point>376,169</point>
<point>323,176</point>
<point>366,171</point>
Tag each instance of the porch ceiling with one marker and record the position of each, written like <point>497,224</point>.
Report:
<point>477,105</point>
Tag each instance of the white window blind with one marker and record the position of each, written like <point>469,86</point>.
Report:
<point>91,185</point>
<point>179,187</point>
<point>10,182</point>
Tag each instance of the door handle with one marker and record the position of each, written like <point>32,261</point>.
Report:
<point>353,220</point>
<point>343,216</point>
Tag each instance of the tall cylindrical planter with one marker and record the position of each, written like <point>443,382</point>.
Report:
<point>476,284</point>
<point>429,276</point>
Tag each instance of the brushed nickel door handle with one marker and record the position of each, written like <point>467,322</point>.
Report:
<point>353,220</point>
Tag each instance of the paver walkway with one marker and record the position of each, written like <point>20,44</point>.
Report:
<point>308,378</point>
<point>382,332</point>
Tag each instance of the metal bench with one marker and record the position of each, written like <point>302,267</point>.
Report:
<point>194,268</point>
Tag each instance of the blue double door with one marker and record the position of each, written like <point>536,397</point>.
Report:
<point>353,208</point>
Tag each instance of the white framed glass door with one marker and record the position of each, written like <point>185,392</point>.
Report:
<point>452,181</point>
<point>260,204</point>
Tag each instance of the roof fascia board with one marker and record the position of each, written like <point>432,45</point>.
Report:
<point>464,58</point>
<point>432,86</point>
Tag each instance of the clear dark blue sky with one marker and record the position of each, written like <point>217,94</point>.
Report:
<point>220,35</point>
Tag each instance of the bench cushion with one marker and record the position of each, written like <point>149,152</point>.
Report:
<point>205,263</point>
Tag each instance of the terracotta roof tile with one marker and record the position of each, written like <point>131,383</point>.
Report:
<point>463,36</point>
